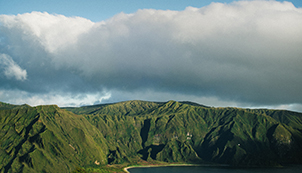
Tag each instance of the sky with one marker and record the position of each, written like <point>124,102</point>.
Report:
<point>217,53</point>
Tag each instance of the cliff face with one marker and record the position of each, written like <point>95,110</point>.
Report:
<point>48,138</point>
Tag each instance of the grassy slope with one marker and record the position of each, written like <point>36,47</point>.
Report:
<point>49,139</point>
<point>185,132</point>
<point>5,106</point>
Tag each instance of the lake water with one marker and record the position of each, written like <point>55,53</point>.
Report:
<point>209,169</point>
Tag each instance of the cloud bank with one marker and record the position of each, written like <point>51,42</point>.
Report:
<point>11,69</point>
<point>244,53</point>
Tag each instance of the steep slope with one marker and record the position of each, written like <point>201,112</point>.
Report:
<point>47,139</point>
<point>186,132</point>
<point>51,139</point>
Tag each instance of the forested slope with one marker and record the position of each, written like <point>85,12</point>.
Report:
<point>47,139</point>
<point>188,132</point>
<point>53,139</point>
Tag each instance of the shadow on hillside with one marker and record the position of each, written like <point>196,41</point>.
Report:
<point>151,151</point>
<point>144,131</point>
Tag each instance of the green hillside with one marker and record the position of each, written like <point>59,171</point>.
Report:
<point>53,139</point>
<point>47,139</point>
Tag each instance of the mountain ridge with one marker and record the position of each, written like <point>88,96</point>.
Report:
<point>126,132</point>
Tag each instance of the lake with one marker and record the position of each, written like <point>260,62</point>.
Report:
<point>210,169</point>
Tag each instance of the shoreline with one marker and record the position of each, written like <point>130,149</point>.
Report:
<point>167,165</point>
<point>185,164</point>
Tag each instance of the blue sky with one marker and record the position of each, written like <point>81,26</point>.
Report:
<point>97,10</point>
<point>73,53</point>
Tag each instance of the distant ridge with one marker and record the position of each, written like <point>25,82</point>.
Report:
<point>11,106</point>
<point>34,139</point>
<point>193,104</point>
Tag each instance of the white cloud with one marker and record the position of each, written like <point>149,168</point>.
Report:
<point>52,31</point>
<point>245,52</point>
<point>61,99</point>
<point>11,69</point>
